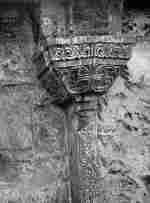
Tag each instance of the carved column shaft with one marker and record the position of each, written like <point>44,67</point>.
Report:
<point>83,70</point>
<point>82,125</point>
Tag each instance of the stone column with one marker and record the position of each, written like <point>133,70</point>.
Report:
<point>82,124</point>
<point>81,71</point>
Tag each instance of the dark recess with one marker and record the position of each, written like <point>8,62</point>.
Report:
<point>139,5</point>
<point>31,7</point>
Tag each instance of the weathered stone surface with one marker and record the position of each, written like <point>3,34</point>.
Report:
<point>16,50</point>
<point>52,24</point>
<point>92,18</point>
<point>124,124</point>
<point>32,153</point>
<point>136,22</point>
<point>31,145</point>
<point>114,147</point>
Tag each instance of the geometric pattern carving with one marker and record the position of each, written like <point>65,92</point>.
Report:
<point>87,78</point>
<point>84,65</point>
<point>81,51</point>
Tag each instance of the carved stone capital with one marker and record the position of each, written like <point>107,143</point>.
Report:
<point>82,64</point>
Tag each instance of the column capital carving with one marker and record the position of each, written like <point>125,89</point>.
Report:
<point>82,65</point>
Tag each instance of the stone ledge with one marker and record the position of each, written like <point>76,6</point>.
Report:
<point>91,39</point>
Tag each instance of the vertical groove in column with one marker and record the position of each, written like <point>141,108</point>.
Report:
<point>86,131</point>
<point>73,145</point>
<point>67,150</point>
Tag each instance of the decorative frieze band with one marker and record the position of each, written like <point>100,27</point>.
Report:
<point>90,50</point>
